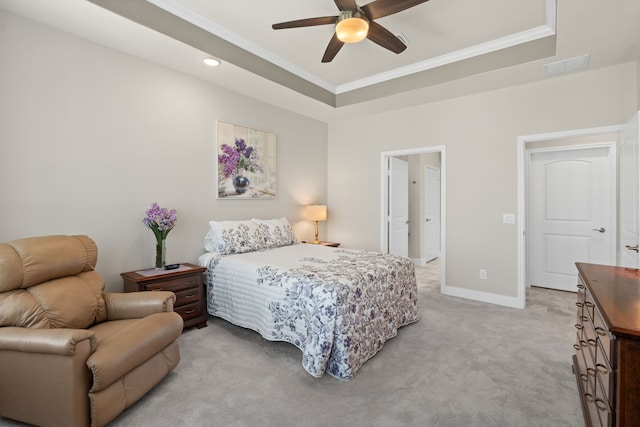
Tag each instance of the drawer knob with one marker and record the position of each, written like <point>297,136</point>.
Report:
<point>578,326</point>
<point>591,372</point>
<point>584,377</point>
<point>600,331</point>
<point>576,346</point>
<point>190,296</point>
<point>600,404</point>
<point>602,369</point>
<point>591,342</point>
<point>189,311</point>
<point>579,304</point>
<point>588,397</point>
<point>588,304</point>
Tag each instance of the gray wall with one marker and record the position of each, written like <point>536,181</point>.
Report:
<point>90,137</point>
<point>480,135</point>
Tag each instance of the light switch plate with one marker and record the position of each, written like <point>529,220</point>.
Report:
<point>509,218</point>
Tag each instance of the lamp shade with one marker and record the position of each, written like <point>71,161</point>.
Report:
<point>316,212</point>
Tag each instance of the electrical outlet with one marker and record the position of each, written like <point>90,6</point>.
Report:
<point>483,274</point>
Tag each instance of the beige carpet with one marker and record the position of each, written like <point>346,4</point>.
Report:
<point>465,363</point>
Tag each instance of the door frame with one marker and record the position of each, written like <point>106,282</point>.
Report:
<point>613,190</point>
<point>384,198</point>
<point>425,234</point>
<point>521,193</point>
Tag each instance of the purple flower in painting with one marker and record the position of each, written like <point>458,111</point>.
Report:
<point>239,156</point>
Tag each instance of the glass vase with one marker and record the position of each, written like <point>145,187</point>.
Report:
<point>161,252</point>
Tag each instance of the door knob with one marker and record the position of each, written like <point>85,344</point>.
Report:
<point>632,248</point>
<point>428,219</point>
<point>601,229</point>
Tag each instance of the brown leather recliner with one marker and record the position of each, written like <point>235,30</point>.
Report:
<point>70,354</point>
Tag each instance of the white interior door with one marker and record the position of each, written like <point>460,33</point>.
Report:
<point>432,213</point>
<point>629,195</point>
<point>398,207</point>
<point>570,212</point>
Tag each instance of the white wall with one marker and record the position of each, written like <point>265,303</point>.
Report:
<point>480,134</point>
<point>90,137</point>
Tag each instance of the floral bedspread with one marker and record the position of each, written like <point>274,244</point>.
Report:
<point>338,306</point>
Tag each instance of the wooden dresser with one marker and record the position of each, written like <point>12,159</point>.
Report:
<point>186,282</point>
<point>607,358</point>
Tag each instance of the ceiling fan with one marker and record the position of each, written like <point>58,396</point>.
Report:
<point>355,23</point>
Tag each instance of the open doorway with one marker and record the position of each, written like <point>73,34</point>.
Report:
<point>419,220</point>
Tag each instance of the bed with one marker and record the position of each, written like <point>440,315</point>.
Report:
<point>338,306</point>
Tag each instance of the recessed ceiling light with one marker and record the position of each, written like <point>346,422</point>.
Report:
<point>211,62</point>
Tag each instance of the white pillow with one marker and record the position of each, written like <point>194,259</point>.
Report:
<point>274,233</point>
<point>232,237</point>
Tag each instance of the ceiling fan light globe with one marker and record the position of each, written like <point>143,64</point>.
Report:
<point>352,30</point>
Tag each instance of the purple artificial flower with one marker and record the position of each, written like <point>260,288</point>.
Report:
<point>160,220</point>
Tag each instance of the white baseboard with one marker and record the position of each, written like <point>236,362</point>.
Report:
<point>488,297</point>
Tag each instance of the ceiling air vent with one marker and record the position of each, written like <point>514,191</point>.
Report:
<point>566,66</point>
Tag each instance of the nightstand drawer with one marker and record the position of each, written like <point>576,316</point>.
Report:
<point>176,285</point>
<point>189,311</point>
<point>188,296</point>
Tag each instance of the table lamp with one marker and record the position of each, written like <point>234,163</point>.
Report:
<point>316,213</point>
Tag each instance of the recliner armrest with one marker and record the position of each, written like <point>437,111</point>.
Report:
<point>136,305</point>
<point>48,341</point>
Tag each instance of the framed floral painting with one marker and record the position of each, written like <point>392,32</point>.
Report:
<point>246,162</point>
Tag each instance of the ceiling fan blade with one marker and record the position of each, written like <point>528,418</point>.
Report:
<point>333,48</point>
<point>379,8</point>
<point>308,22</point>
<point>346,5</point>
<point>385,38</point>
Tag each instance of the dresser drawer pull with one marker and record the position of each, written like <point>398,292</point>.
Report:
<point>578,326</point>
<point>576,346</point>
<point>579,304</point>
<point>583,377</point>
<point>591,372</point>
<point>580,286</point>
<point>588,304</point>
<point>584,318</point>
<point>600,404</point>
<point>588,397</point>
<point>602,369</point>
<point>190,296</point>
<point>592,342</point>
<point>189,311</point>
<point>600,331</point>
<point>583,343</point>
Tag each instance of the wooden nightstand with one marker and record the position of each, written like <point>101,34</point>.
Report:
<point>185,281</point>
<point>332,244</point>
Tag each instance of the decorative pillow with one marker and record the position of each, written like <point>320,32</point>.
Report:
<point>232,237</point>
<point>274,233</point>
